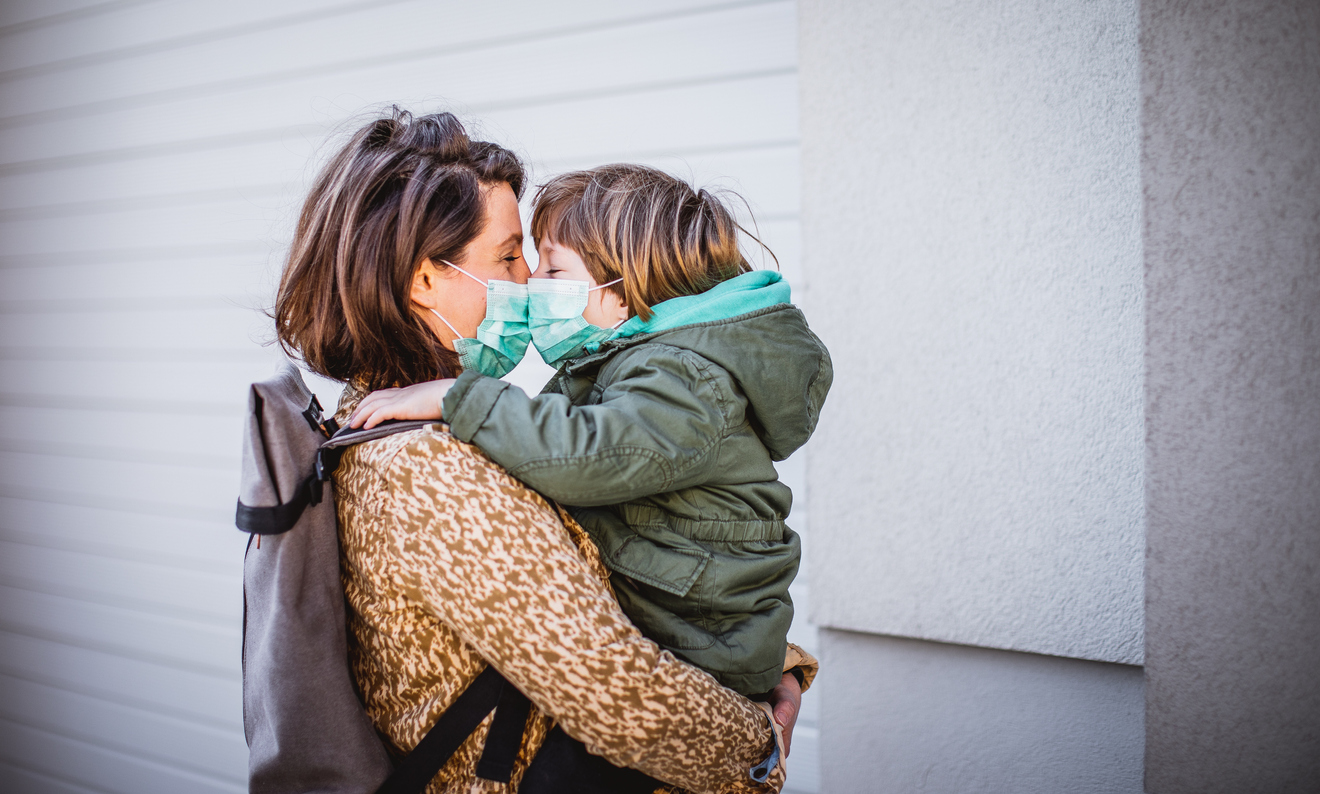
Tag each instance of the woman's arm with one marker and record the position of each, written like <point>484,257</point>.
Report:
<point>492,560</point>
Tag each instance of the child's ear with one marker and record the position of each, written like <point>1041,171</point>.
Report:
<point>622,312</point>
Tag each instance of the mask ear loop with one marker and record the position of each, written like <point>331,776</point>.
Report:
<point>603,286</point>
<point>457,335</point>
<point>469,275</point>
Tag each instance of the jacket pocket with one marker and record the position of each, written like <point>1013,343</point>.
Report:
<point>658,575</point>
<point>662,559</point>
<point>660,579</point>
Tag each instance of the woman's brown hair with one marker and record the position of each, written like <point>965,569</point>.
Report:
<point>402,190</point>
<point>663,237</point>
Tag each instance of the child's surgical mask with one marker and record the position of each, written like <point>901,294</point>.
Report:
<point>554,314</point>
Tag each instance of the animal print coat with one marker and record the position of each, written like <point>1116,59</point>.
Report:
<point>448,562</point>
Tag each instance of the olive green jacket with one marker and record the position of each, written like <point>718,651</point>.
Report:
<point>665,444</point>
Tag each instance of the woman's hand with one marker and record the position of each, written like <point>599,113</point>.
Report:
<point>418,401</point>
<point>786,700</point>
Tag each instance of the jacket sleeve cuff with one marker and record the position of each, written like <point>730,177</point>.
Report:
<point>772,771</point>
<point>469,402</point>
<point>802,665</point>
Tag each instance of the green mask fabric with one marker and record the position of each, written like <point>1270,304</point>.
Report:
<point>502,338</point>
<point>554,315</point>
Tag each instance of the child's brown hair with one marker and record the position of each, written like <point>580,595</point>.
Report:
<point>654,231</point>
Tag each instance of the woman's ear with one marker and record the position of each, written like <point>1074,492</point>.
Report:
<point>425,285</point>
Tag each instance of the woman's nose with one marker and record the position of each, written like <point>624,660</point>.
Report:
<point>521,273</point>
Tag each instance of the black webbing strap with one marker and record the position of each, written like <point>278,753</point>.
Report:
<point>504,738</point>
<point>453,728</point>
<point>282,517</point>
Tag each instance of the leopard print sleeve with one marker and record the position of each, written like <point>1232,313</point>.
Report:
<point>491,560</point>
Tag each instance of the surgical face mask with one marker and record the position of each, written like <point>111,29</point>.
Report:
<point>502,338</point>
<point>554,314</point>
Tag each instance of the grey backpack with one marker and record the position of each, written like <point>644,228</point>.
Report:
<point>306,727</point>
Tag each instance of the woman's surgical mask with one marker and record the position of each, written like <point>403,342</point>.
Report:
<point>502,338</point>
<point>554,314</point>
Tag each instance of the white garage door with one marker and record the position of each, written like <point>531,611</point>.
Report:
<point>152,156</point>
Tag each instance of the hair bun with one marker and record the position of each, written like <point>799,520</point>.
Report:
<point>436,135</point>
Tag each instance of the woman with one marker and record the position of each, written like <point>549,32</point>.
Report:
<point>449,563</point>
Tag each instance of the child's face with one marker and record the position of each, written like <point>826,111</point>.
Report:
<point>604,308</point>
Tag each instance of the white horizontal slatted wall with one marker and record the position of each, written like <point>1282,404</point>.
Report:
<point>152,157</point>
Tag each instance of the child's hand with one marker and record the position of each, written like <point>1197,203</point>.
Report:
<point>418,401</point>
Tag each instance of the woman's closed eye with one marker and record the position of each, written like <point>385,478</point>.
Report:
<point>512,265</point>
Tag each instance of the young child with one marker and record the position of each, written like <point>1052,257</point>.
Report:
<point>685,374</point>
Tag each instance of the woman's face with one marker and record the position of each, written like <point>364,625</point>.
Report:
<point>604,308</point>
<point>495,255</point>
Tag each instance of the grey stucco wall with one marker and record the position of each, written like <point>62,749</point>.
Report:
<point>916,716</point>
<point>1232,181</point>
<point>971,233</point>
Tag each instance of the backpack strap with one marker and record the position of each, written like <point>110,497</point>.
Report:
<point>415,771</point>
<point>281,518</point>
<point>488,691</point>
<point>504,739</point>
<point>327,458</point>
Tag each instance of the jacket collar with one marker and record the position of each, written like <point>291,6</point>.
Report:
<point>593,361</point>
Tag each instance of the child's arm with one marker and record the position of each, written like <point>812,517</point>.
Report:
<point>418,401</point>
<point>657,428</point>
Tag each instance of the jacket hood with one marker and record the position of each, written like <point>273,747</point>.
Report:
<point>759,289</point>
<point>747,326</point>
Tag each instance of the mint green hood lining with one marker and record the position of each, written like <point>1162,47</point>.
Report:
<point>759,289</point>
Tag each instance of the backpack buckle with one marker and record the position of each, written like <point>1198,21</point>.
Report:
<point>315,416</point>
<point>327,460</point>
